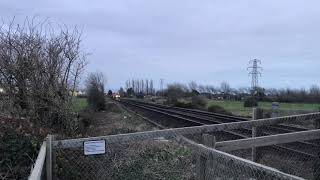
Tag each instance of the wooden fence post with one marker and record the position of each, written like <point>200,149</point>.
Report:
<point>209,140</point>
<point>256,131</point>
<point>49,159</point>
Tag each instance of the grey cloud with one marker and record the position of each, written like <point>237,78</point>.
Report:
<point>208,41</point>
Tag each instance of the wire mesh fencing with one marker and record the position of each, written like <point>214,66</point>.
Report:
<point>203,152</point>
<point>159,159</point>
<point>149,159</point>
<point>288,160</point>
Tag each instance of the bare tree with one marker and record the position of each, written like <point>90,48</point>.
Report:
<point>225,87</point>
<point>38,70</point>
<point>202,88</point>
<point>78,70</point>
<point>133,85</point>
<point>142,86</point>
<point>147,86</point>
<point>151,87</point>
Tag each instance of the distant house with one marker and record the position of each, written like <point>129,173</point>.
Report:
<point>77,93</point>
<point>81,93</point>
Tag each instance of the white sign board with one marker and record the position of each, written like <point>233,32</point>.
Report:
<point>94,147</point>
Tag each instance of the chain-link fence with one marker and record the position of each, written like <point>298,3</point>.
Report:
<point>159,159</point>
<point>179,153</point>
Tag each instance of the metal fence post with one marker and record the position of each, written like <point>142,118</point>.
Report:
<point>49,164</point>
<point>256,114</point>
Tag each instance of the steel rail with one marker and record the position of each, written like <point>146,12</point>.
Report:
<point>186,117</point>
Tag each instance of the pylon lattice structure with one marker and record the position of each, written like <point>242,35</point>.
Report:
<point>255,72</point>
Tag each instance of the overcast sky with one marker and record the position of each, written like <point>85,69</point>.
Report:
<point>208,41</point>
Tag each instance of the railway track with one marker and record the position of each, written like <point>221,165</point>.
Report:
<point>191,117</point>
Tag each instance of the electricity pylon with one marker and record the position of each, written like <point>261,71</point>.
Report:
<point>255,72</point>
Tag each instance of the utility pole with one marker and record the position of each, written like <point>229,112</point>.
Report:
<point>161,86</point>
<point>255,72</point>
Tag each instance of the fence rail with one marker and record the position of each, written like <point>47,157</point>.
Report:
<point>37,172</point>
<point>247,167</point>
<point>173,133</point>
<point>267,140</point>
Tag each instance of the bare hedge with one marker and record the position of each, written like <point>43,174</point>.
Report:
<point>39,68</point>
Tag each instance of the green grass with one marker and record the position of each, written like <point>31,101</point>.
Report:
<point>236,107</point>
<point>79,104</point>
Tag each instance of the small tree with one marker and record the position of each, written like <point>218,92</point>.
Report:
<point>175,91</point>
<point>130,92</point>
<point>110,93</point>
<point>199,102</point>
<point>95,91</point>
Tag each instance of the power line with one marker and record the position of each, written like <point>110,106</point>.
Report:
<point>255,73</point>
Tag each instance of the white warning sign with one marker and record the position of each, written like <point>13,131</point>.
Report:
<point>94,147</point>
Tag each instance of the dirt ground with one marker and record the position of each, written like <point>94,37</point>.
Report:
<point>115,120</point>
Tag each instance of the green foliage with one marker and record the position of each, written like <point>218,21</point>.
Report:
<point>17,153</point>
<point>250,102</point>
<point>199,102</point>
<point>218,109</point>
<point>237,107</point>
<point>79,104</point>
<point>184,105</point>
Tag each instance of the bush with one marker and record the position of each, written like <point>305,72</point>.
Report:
<point>140,95</point>
<point>218,109</point>
<point>41,72</point>
<point>95,91</point>
<point>250,102</point>
<point>175,92</point>
<point>17,154</point>
<point>199,102</point>
<point>184,105</point>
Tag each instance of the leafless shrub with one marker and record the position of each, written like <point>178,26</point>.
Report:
<point>95,91</point>
<point>175,91</point>
<point>39,68</point>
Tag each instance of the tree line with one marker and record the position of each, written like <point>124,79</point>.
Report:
<point>226,92</point>
<point>139,86</point>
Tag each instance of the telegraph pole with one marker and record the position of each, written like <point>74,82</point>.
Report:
<point>255,71</point>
